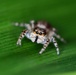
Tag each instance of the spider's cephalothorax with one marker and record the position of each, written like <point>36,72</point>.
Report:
<point>40,32</point>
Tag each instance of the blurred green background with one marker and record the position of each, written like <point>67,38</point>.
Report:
<point>25,60</point>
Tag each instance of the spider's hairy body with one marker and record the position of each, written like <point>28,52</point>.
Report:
<point>40,32</point>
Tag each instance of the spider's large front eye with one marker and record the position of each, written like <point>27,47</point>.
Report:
<point>36,32</point>
<point>40,33</point>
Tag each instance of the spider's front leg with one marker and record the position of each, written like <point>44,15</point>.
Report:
<point>44,46</point>
<point>20,37</point>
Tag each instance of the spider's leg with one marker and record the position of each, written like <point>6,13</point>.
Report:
<point>26,25</point>
<point>56,45</point>
<point>18,24</point>
<point>59,37</point>
<point>44,47</point>
<point>20,37</point>
<point>54,29</point>
<point>32,23</point>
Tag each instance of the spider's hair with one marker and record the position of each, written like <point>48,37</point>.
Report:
<point>44,23</point>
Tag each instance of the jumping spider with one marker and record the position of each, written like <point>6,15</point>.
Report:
<point>40,32</point>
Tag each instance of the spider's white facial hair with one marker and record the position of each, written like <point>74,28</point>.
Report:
<point>40,38</point>
<point>32,37</point>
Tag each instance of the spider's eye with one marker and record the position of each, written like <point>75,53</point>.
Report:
<point>36,32</point>
<point>40,33</point>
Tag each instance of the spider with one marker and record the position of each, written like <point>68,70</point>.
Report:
<point>40,32</point>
